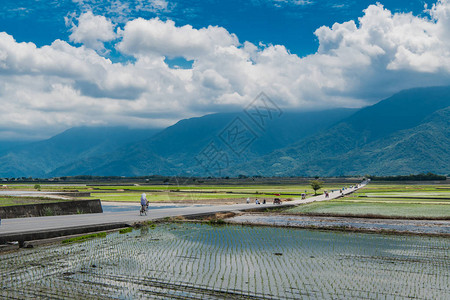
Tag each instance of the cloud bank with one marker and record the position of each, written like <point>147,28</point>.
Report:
<point>47,89</point>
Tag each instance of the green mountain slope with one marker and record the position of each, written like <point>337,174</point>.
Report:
<point>406,133</point>
<point>423,148</point>
<point>174,151</point>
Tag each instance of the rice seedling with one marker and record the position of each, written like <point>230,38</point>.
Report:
<point>125,230</point>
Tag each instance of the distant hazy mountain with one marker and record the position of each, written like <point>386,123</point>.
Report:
<point>39,158</point>
<point>174,150</point>
<point>406,133</point>
<point>6,146</point>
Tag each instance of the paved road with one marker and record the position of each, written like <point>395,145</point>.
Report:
<point>29,225</point>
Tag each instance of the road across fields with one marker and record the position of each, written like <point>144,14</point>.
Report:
<point>24,229</point>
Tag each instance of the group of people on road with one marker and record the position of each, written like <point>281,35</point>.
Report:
<point>256,201</point>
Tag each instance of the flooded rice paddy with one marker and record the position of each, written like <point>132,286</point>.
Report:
<point>399,225</point>
<point>194,261</point>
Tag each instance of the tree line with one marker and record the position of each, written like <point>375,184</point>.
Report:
<point>417,177</point>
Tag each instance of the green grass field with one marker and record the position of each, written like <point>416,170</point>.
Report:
<point>201,193</point>
<point>165,196</point>
<point>420,190</point>
<point>268,189</point>
<point>387,200</point>
<point>393,199</point>
<point>205,193</point>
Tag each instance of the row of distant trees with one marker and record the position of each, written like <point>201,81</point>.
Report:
<point>82,178</point>
<point>413,177</point>
<point>418,177</point>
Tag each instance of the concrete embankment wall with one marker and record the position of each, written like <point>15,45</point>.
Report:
<point>58,232</point>
<point>51,209</point>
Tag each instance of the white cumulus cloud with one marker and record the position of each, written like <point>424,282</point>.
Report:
<point>155,37</point>
<point>92,31</point>
<point>54,87</point>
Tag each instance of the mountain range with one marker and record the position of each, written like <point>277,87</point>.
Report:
<point>175,150</point>
<point>37,159</point>
<point>403,134</point>
<point>408,133</point>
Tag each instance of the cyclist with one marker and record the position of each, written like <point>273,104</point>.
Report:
<point>144,203</point>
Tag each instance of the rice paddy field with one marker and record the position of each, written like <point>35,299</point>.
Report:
<point>431,200</point>
<point>199,193</point>
<point>196,194</point>
<point>177,194</point>
<point>194,261</point>
<point>424,200</point>
<point>203,193</point>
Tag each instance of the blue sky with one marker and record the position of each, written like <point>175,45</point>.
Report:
<point>149,63</point>
<point>288,23</point>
